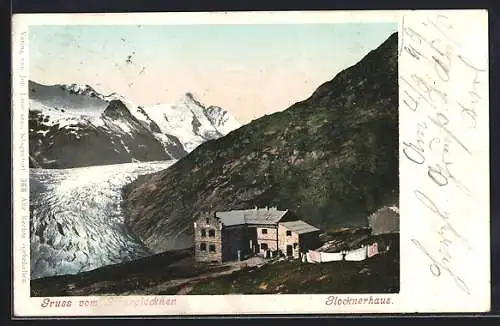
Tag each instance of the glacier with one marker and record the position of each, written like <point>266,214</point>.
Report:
<point>76,223</point>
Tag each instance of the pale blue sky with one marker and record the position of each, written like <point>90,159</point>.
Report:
<point>248,69</point>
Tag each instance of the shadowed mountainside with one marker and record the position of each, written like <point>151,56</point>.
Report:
<point>332,159</point>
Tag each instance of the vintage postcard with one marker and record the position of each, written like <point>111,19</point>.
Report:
<point>250,163</point>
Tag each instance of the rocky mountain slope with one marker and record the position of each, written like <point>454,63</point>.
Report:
<point>115,136</point>
<point>74,126</point>
<point>332,158</point>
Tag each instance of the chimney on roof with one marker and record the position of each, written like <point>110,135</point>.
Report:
<point>255,207</point>
<point>267,208</point>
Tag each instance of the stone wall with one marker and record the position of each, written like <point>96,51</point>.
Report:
<point>207,239</point>
<point>270,238</point>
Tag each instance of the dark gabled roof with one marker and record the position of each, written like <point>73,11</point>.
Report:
<point>265,216</point>
<point>299,227</point>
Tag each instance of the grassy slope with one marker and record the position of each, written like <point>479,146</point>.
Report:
<point>157,275</point>
<point>379,274</point>
<point>118,278</point>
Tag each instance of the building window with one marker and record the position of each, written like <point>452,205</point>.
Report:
<point>203,233</point>
<point>212,248</point>
<point>288,233</point>
<point>203,247</point>
<point>211,233</point>
<point>264,231</point>
<point>263,246</point>
<point>295,245</point>
<point>207,221</point>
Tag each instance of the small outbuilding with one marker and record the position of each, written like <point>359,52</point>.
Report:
<point>297,237</point>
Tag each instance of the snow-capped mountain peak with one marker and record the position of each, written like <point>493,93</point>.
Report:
<point>222,119</point>
<point>191,99</point>
<point>81,89</point>
<point>66,116</point>
<point>190,121</point>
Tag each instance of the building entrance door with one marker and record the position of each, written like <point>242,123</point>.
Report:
<point>289,250</point>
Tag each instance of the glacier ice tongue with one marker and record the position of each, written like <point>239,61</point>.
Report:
<point>76,223</point>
